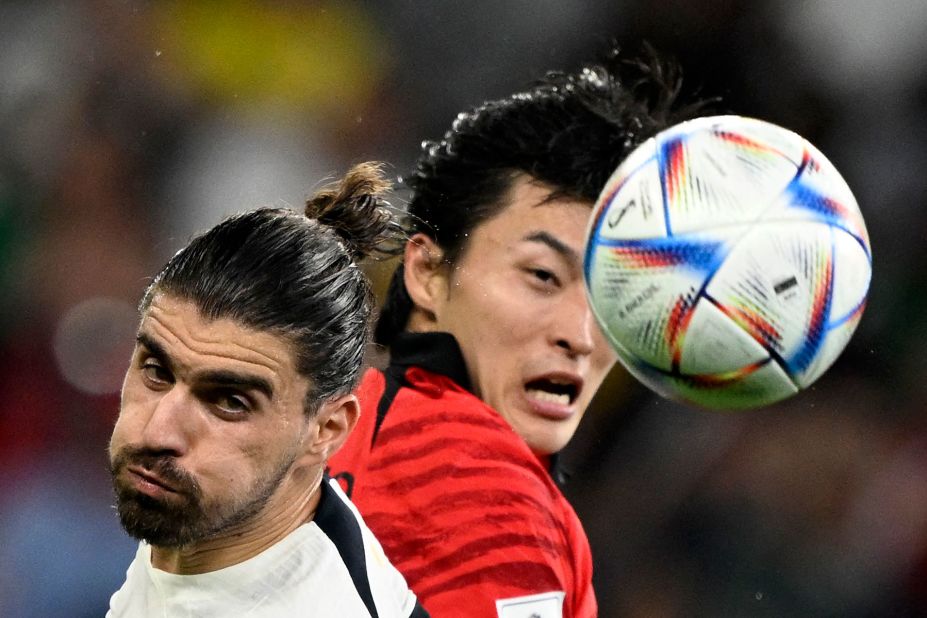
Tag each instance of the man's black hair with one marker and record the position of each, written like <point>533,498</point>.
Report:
<point>569,131</point>
<point>294,275</point>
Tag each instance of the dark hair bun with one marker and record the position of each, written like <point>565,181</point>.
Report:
<point>356,209</point>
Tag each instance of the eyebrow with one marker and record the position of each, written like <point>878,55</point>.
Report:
<point>564,250</point>
<point>243,381</point>
<point>216,377</point>
<point>154,348</point>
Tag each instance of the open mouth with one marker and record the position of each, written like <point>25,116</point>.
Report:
<point>561,392</point>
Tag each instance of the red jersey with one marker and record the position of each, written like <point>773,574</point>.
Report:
<point>463,508</point>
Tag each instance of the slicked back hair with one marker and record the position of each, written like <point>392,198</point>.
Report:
<point>294,275</point>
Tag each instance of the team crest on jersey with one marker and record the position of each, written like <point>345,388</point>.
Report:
<point>544,605</point>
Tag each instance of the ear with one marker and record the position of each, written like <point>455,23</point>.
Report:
<point>425,277</point>
<point>332,425</point>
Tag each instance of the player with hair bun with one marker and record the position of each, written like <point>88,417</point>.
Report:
<point>494,352</point>
<point>238,392</point>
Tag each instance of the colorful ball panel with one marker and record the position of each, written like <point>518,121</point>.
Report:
<point>727,262</point>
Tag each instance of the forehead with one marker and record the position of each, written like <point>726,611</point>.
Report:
<point>195,342</point>
<point>528,207</point>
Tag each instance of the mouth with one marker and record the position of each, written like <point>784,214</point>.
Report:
<point>147,481</point>
<point>554,393</point>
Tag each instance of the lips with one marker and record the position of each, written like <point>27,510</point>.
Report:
<point>553,394</point>
<point>150,478</point>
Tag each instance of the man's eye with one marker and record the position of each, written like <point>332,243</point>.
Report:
<point>232,403</point>
<point>156,373</point>
<point>544,276</point>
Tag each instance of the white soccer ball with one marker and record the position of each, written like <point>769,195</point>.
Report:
<point>728,263</point>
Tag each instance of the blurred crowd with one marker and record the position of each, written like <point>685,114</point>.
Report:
<point>126,126</point>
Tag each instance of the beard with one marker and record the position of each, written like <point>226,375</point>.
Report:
<point>187,516</point>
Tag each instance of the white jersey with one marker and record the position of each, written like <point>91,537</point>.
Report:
<point>330,566</point>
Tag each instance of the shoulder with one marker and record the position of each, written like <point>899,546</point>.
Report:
<point>462,506</point>
<point>371,383</point>
<point>440,404</point>
<point>133,593</point>
<point>439,441</point>
<point>375,580</point>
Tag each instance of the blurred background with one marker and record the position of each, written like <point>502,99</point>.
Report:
<point>126,126</point>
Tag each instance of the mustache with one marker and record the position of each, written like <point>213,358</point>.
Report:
<point>156,462</point>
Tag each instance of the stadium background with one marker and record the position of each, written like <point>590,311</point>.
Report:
<point>125,126</point>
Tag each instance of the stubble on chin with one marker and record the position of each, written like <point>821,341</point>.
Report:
<point>186,517</point>
<point>169,522</point>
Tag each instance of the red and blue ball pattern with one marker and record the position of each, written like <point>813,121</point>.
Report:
<point>727,262</point>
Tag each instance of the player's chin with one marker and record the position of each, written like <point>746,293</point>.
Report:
<point>544,431</point>
<point>547,436</point>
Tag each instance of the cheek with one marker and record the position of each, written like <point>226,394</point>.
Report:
<point>601,362</point>
<point>498,317</point>
<point>604,357</point>
<point>116,440</point>
<point>236,458</point>
<point>607,357</point>
<point>128,430</point>
<point>131,406</point>
<point>601,367</point>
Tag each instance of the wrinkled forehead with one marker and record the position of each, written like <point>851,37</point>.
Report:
<point>179,329</point>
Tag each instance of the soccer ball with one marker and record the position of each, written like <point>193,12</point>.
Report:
<point>727,262</point>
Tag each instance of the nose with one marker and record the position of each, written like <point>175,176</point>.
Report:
<point>574,325</point>
<point>169,427</point>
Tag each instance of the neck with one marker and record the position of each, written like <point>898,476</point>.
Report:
<point>283,514</point>
<point>420,322</point>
